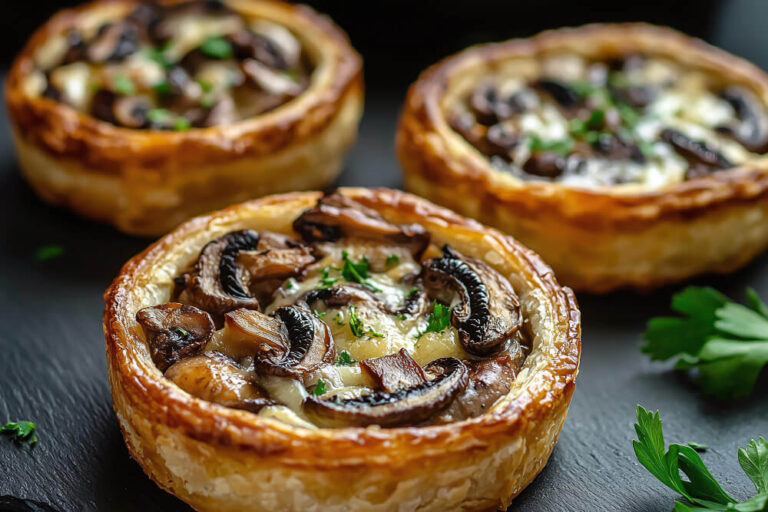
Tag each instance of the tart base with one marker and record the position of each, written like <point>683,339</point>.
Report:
<point>221,459</point>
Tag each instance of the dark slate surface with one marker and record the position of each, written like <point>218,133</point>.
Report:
<point>52,366</point>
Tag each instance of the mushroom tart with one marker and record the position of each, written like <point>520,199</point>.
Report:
<point>143,114</point>
<point>626,155</point>
<point>308,351</point>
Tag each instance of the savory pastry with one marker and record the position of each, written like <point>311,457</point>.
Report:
<point>626,155</point>
<point>311,352</point>
<point>143,114</point>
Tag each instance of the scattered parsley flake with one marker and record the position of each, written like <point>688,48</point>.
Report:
<point>319,388</point>
<point>357,272</point>
<point>122,84</point>
<point>355,324</point>
<point>21,431</point>
<point>158,55</point>
<point>290,284</point>
<point>217,47</point>
<point>392,260</point>
<point>339,318</point>
<point>701,490</point>
<point>376,334</point>
<point>438,319</point>
<point>413,291</point>
<point>560,146</point>
<point>345,359</point>
<point>319,314</point>
<point>159,115</point>
<point>163,88</point>
<point>48,252</point>
<point>181,124</point>
<point>325,280</point>
<point>726,342</point>
<point>401,316</point>
<point>205,85</point>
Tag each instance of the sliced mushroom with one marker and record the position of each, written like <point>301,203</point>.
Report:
<point>342,295</point>
<point>224,112</point>
<point>489,380</point>
<point>217,283</point>
<point>131,111</point>
<point>337,216</point>
<point>305,345</point>
<point>488,313</point>
<point>247,333</point>
<point>395,371</point>
<point>113,42</point>
<point>215,377</point>
<point>616,147</point>
<point>489,105</point>
<point>561,92</point>
<point>280,49</point>
<point>546,164</point>
<point>174,331</point>
<point>269,80</point>
<point>752,129</point>
<point>410,405</point>
<point>702,158</point>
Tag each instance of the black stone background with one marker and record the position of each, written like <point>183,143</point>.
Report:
<point>52,366</point>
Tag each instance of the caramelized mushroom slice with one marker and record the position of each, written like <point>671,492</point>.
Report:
<point>174,331</point>
<point>336,216</point>
<point>394,372</point>
<point>248,332</point>
<point>752,129</point>
<point>303,344</point>
<point>489,380</point>
<point>488,313</point>
<point>113,42</point>
<point>342,295</point>
<point>561,92</point>
<point>702,158</point>
<point>409,406</point>
<point>215,377</point>
<point>218,284</point>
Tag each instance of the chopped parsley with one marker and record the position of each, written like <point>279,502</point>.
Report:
<point>392,260</point>
<point>159,115</point>
<point>325,280</point>
<point>163,88</point>
<point>413,291</point>
<point>355,324</point>
<point>158,55</point>
<point>345,359</point>
<point>700,489</point>
<point>181,124</point>
<point>217,47</point>
<point>21,431</point>
<point>319,388</point>
<point>319,314</point>
<point>560,146</point>
<point>48,252</point>
<point>122,84</point>
<point>438,319</point>
<point>205,85</point>
<point>726,342</point>
<point>357,272</point>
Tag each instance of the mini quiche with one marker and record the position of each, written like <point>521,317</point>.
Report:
<point>626,155</point>
<point>145,114</point>
<point>363,350</point>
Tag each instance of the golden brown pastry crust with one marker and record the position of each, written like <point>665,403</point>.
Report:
<point>603,238</point>
<point>222,459</point>
<point>147,181</point>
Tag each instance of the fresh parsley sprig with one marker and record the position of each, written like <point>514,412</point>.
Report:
<point>345,359</point>
<point>357,272</point>
<point>21,431</point>
<point>701,490</point>
<point>438,319</point>
<point>726,342</point>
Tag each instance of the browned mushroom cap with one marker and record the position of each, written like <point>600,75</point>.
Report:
<point>113,42</point>
<point>699,155</point>
<point>489,380</point>
<point>336,216</point>
<point>395,371</point>
<point>489,312</point>
<point>293,343</point>
<point>752,129</point>
<point>407,406</point>
<point>344,294</point>
<point>247,332</point>
<point>215,377</point>
<point>174,331</point>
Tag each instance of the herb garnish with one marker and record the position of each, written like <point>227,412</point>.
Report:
<point>413,291</point>
<point>319,314</point>
<point>217,47</point>
<point>561,146</point>
<point>21,431</point>
<point>701,489</point>
<point>392,260</point>
<point>122,84</point>
<point>339,318</point>
<point>357,272</point>
<point>48,252</point>
<point>345,359</point>
<point>319,388</point>
<point>325,280</point>
<point>725,341</point>
<point>438,319</point>
<point>355,324</point>
<point>181,124</point>
<point>158,55</point>
<point>158,115</point>
<point>163,88</point>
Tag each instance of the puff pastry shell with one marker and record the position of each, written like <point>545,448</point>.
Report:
<point>602,238</point>
<point>221,459</point>
<point>146,181</point>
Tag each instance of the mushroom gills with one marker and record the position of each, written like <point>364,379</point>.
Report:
<point>412,405</point>
<point>336,216</point>
<point>174,331</point>
<point>487,314</point>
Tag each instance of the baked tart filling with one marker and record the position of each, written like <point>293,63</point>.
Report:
<point>356,322</point>
<point>635,119</point>
<point>171,66</point>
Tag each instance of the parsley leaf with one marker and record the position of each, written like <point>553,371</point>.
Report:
<point>122,84</point>
<point>355,324</point>
<point>438,319</point>
<point>325,280</point>
<point>345,359</point>
<point>319,314</point>
<point>319,388</point>
<point>48,252</point>
<point>725,341</point>
<point>21,431</point>
<point>701,489</point>
<point>357,272</point>
<point>181,124</point>
<point>217,47</point>
<point>562,146</point>
<point>392,260</point>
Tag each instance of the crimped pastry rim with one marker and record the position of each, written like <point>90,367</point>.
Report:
<point>458,161</point>
<point>64,131</point>
<point>342,447</point>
